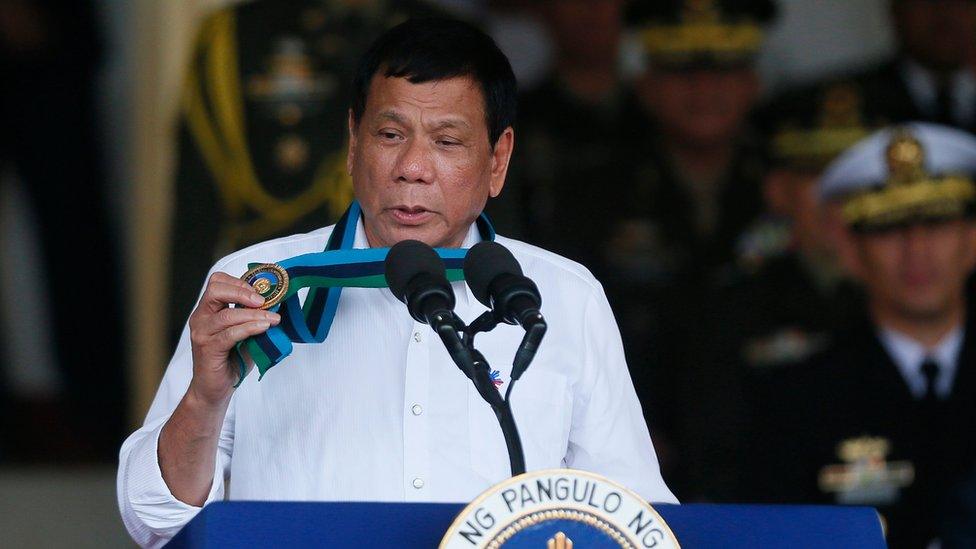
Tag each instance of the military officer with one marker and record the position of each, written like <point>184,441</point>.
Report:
<point>695,182</point>
<point>780,302</point>
<point>930,76</point>
<point>887,417</point>
<point>572,131</point>
<point>261,138</point>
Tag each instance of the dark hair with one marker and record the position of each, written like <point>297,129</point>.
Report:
<point>428,49</point>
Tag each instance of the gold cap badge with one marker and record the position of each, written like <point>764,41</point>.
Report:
<point>910,192</point>
<point>905,157</point>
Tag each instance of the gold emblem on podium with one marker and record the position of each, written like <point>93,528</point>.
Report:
<point>559,541</point>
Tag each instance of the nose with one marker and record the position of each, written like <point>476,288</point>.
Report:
<point>916,240</point>
<point>414,164</point>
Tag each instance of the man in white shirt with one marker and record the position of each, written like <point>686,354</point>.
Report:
<point>379,411</point>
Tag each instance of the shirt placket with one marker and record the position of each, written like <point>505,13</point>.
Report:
<point>416,446</point>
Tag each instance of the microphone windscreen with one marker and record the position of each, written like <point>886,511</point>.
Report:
<point>406,260</point>
<point>483,263</point>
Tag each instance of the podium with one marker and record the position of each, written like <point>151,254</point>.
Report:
<point>421,525</point>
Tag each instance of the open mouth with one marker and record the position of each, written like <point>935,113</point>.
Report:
<point>410,215</point>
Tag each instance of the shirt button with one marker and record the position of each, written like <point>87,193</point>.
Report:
<point>417,409</point>
<point>418,483</point>
<point>417,337</point>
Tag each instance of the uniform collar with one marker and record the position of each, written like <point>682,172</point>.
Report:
<point>922,87</point>
<point>908,355</point>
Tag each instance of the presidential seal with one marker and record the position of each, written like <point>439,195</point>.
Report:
<point>270,280</point>
<point>558,508</point>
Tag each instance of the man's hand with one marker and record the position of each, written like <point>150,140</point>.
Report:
<point>214,330</point>
<point>188,442</point>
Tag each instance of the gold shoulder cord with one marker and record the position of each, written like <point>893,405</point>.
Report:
<point>221,137</point>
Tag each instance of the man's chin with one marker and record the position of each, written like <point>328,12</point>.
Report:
<point>927,310</point>
<point>424,233</point>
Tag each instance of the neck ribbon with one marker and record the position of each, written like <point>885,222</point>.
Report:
<point>325,274</point>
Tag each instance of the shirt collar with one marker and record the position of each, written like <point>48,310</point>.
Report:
<point>908,355</point>
<point>461,290</point>
<point>922,88</point>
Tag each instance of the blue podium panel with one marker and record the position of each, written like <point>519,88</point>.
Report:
<point>421,525</point>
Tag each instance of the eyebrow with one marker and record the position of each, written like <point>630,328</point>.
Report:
<point>392,115</point>
<point>451,122</point>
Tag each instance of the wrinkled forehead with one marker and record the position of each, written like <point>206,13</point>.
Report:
<point>456,92</point>
<point>455,102</point>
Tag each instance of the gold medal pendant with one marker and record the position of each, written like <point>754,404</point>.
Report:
<point>270,280</point>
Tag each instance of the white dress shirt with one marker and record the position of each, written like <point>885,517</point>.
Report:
<point>909,355</point>
<point>379,412</point>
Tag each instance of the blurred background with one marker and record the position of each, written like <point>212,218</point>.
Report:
<point>142,140</point>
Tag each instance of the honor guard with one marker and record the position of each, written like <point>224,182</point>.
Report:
<point>695,181</point>
<point>262,149</point>
<point>887,417</point>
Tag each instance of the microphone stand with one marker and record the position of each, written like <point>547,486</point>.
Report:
<point>476,367</point>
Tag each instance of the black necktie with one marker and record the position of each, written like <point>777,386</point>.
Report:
<point>931,372</point>
<point>943,105</point>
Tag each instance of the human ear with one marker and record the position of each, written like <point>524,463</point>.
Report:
<point>500,157</point>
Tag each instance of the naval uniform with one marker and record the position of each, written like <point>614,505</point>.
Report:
<point>857,393</point>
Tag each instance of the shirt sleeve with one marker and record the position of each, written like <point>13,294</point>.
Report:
<point>609,435</point>
<point>151,513</point>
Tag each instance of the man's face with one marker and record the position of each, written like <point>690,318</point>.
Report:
<point>937,33</point>
<point>586,32</point>
<point>919,271</point>
<point>700,107</point>
<point>420,160</point>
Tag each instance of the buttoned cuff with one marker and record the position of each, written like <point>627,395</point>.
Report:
<point>151,500</point>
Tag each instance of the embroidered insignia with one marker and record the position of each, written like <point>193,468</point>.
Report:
<point>291,79</point>
<point>866,478</point>
<point>496,378</point>
<point>765,239</point>
<point>789,345</point>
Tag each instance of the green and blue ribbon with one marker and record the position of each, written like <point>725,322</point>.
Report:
<point>325,274</point>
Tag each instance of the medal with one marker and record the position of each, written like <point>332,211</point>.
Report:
<point>270,281</point>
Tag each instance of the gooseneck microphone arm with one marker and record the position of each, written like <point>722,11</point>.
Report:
<point>500,406</point>
<point>496,280</point>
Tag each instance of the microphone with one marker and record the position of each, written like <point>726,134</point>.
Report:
<point>496,280</point>
<point>416,275</point>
